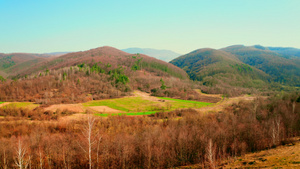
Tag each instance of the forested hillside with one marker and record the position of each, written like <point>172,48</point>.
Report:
<point>99,73</point>
<point>224,70</point>
<point>240,69</point>
<point>281,69</point>
<point>15,63</point>
<point>286,51</point>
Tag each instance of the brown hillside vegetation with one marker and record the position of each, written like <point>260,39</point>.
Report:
<point>286,156</point>
<point>163,140</point>
<point>105,55</point>
<point>99,73</point>
<point>74,84</point>
<point>15,63</point>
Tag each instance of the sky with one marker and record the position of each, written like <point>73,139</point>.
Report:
<point>41,26</point>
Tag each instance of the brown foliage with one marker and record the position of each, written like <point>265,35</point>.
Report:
<point>163,140</point>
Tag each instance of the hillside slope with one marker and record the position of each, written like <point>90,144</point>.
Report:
<point>100,73</point>
<point>15,63</point>
<point>286,51</point>
<point>214,67</point>
<point>112,56</point>
<point>279,67</point>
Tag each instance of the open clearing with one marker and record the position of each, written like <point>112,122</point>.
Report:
<point>143,104</point>
<point>104,109</point>
<point>225,102</point>
<point>4,104</point>
<point>28,105</point>
<point>78,108</point>
<point>287,156</point>
<point>140,103</point>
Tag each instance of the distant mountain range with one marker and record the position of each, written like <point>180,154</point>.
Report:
<point>165,55</point>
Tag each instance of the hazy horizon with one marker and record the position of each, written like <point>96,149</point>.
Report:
<point>179,26</point>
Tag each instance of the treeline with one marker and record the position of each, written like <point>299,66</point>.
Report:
<point>163,140</point>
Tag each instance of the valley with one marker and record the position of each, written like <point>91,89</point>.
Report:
<point>136,111</point>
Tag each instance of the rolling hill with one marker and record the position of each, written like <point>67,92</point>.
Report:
<point>15,63</point>
<point>112,56</point>
<point>219,68</point>
<point>99,73</point>
<point>281,69</point>
<point>165,55</point>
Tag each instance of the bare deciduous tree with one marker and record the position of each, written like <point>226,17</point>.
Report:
<point>41,158</point>
<point>87,133</point>
<point>21,161</point>
<point>210,153</point>
<point>4,159</point>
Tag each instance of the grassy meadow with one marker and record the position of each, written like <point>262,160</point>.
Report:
<point>131,106</point>
<point>139,106</point>
<point>28,105</point>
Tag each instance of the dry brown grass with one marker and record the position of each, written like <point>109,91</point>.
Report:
<point>78,108</point>
<point>225,102</point>
<point>287,156</point>
<point>104,109</point>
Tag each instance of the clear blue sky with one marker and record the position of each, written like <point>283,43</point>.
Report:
<point>180,25</point>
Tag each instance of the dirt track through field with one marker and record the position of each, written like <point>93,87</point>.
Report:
<point>224,103</point>
<point>78,108</point>
<point>105,109</point>
<point>147,96</point>
<point>3,104</point>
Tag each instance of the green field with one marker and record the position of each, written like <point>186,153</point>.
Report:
<point>139,106</point>
<point>131,106</point>
<point>128,114</point>
<point>127,104</point>
<point>29,105</point>
<point>180,104</point>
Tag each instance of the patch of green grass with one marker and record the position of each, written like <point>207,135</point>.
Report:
<point>1,102</point>
<point>28,105</point>
<point>139,106</point>
<point>127,104</point>
<point>127,114</point>
<point>180,104</point>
